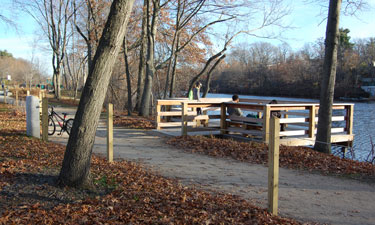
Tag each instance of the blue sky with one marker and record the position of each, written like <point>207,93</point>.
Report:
<point>306,18</point>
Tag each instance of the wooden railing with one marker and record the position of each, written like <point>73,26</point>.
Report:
<point>298,122</point>
<point>182,112</point>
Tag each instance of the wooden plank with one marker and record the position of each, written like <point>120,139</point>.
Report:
<point>244,105</point>
<point>273,166</point>
<point>297,141</point>
<point>171,113</point>
<point>203,104</point>
<point>184,122</point>
<point>174,124</point>
<point>294,120</point>
<point>338,130</point>
<point>110,132</point>
<point>312,121</point>
<point>45,119</point>
<point>293,133</point>
<point>311,141</point>
<point>334,118</point>
<point>338,118</point>
<point>342,138</point>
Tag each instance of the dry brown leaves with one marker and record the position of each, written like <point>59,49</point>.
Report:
<point>124,192</point>
<point>290,157</point>
<point>133,122</point>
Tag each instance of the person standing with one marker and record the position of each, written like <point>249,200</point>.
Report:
<point>197,95</point>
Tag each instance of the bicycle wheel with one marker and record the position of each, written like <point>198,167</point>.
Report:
<point>68,125</point>
<point>51,126</point>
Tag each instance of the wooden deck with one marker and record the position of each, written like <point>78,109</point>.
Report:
<point>298,120</point>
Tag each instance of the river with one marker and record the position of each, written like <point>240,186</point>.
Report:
<point>363,124</point>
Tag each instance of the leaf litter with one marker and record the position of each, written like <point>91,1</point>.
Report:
<point>123,192</point>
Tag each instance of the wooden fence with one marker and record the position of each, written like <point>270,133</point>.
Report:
<point>298,121</point>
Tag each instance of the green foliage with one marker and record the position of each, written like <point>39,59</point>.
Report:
<point>344,40</point>
<point>5,53</point>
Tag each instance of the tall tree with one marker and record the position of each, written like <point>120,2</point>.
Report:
<point>323,136</point>
<point>75,170</point>
<point>152,9</point>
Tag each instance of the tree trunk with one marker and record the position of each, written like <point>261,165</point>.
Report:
<point>150,67</point>
<point>209,61</point>
<point>323,136</point>
<point>142,58</point>
<point>209,75</point>
<point>128,80</point>
<point>75,170</point>
<point>173,78</point>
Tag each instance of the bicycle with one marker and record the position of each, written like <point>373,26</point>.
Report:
<point>66,125</point>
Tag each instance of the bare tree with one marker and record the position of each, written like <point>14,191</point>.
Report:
<point>53,17</point>
<point>75,170</point>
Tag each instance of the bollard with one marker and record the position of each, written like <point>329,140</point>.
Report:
<point>110,132</point>
<point>32,117</point>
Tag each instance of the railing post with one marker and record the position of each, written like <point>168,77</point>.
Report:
<point>158,109</point>
<point>110,132</point>
<point>312,121</point>
<point>45,119</point>
<point>273,165</point>
<point>266,123</point>
<point>223,118</point>
<point>349,118</point>
<point>184,121</point>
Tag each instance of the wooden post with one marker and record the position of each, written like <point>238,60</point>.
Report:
<point>45,119</point>
<point>158,109</point>
<point>16,97</point>
<point>110,132</point>
<point>40,102</point>
<point>273,165</point>
<point>266,123</point>
<point>223,118</point>
<point>349,118</point>
<point>184,121</point>
<point>312,121</point>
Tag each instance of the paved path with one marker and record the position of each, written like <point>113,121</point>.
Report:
<point>303,196</point>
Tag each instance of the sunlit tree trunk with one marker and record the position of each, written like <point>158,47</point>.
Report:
<point>152,21</point>
<point>323,136</point>
<point>75,170</point>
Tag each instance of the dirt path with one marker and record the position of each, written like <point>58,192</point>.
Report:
<point>303,196</point>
